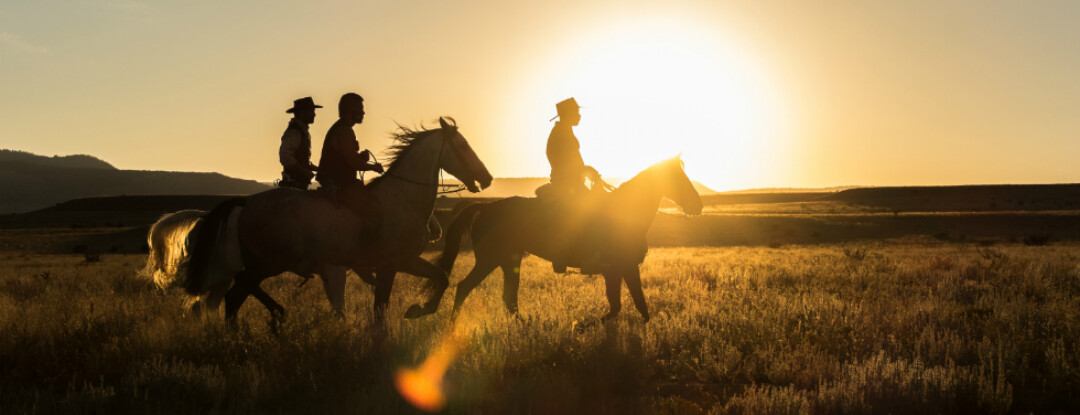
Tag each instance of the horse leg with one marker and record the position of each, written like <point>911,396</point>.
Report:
<point>632,276</point>
<point>277,312</point>
<point>479,272</point>
<point>275,309</point>
<point>384,284</point>
<point>197,308</point>
<point>614,284</point>
<point>245,284</point>
<point>511,279</point>
<point>334,286</point>
<point>438,283</point>
<point>212,300</point>
<point>209,302</point>
<point>234,298</point>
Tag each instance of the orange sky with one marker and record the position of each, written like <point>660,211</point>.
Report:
<point>755,94</point>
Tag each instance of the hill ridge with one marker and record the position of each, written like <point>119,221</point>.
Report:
<point>69,161</point>
<point>29,182</point>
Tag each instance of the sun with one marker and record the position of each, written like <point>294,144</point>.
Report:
<point>651,90</point>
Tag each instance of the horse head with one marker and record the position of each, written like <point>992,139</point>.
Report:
<point>677,186</point>
<point>461,161</point>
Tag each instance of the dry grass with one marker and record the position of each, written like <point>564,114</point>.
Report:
<point>854,328</point>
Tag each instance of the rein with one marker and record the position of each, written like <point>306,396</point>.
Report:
<point>452,188</point>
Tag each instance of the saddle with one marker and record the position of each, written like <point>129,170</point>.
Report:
<point>357,198</point>
<point>577,222</point>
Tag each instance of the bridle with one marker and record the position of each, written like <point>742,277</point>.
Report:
<point>443,188</point>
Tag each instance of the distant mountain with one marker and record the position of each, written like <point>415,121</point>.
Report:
<point>777,190</point>
<point>77,161</point>
<point>968,198</point>
<point>29,182</point>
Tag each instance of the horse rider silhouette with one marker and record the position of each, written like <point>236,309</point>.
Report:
<point>341,155</point>
<point>342,158</point>
<point>567,189</point>
<point>295,151</point>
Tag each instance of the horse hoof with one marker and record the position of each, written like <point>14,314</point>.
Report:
<point>415,311</point>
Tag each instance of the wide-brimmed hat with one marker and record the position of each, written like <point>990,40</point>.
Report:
<point>565,106</point>
<point>305,103</point>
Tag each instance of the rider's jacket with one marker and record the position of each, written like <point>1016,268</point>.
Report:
<point>563,152</point>
<point>295,151</point>
<point>341,157</point>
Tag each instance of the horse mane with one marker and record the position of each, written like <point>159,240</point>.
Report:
<point>648,173</point>
<point>404,138</point>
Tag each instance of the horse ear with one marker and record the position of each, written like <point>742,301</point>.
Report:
<point>443,123</point>
<point>678,156</point>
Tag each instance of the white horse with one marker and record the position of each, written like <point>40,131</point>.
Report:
<point>246,240</point>
<point>169,240</point>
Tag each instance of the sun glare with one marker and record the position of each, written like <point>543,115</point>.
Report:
<point>650,92</point>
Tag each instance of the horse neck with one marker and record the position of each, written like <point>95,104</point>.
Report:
<point>410,186</point>
<point>640,199</point>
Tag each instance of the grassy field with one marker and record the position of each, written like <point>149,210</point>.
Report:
<point>919,326</point>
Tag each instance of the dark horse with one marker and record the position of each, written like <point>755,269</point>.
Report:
<point>244,241</point>
<point>612,232</point>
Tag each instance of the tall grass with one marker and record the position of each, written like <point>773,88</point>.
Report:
<point>866,328</point>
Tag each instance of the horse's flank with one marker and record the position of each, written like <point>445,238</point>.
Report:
<point>215,256</point>
<point>607,233</point>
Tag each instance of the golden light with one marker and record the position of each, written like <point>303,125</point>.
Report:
<point>654,88</point>
<point>422,386</point>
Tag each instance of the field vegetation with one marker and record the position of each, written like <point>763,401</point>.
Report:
<point>903,326</point>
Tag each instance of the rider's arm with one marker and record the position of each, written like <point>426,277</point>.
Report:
<point>359,159</point>
<point>365,156</point>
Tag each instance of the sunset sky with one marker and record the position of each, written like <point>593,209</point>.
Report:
<point>752,93</point>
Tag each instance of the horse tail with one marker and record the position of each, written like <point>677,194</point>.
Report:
<point>215,255</point>
<point>167,242</point>
<point>454,234</point>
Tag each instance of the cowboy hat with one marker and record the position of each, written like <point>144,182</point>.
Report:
<point>565,106</point>
<point>304,103</point>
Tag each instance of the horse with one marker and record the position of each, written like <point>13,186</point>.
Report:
<point>307,233</point>
<point>609,237</point>
<point>167,241</point>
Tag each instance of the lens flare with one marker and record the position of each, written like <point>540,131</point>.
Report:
<point>423,386</point>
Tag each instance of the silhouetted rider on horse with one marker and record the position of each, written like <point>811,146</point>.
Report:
<point>341,155</point>
<point>567,192</point>
<point>342,159</point>
<point>295,150</point>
